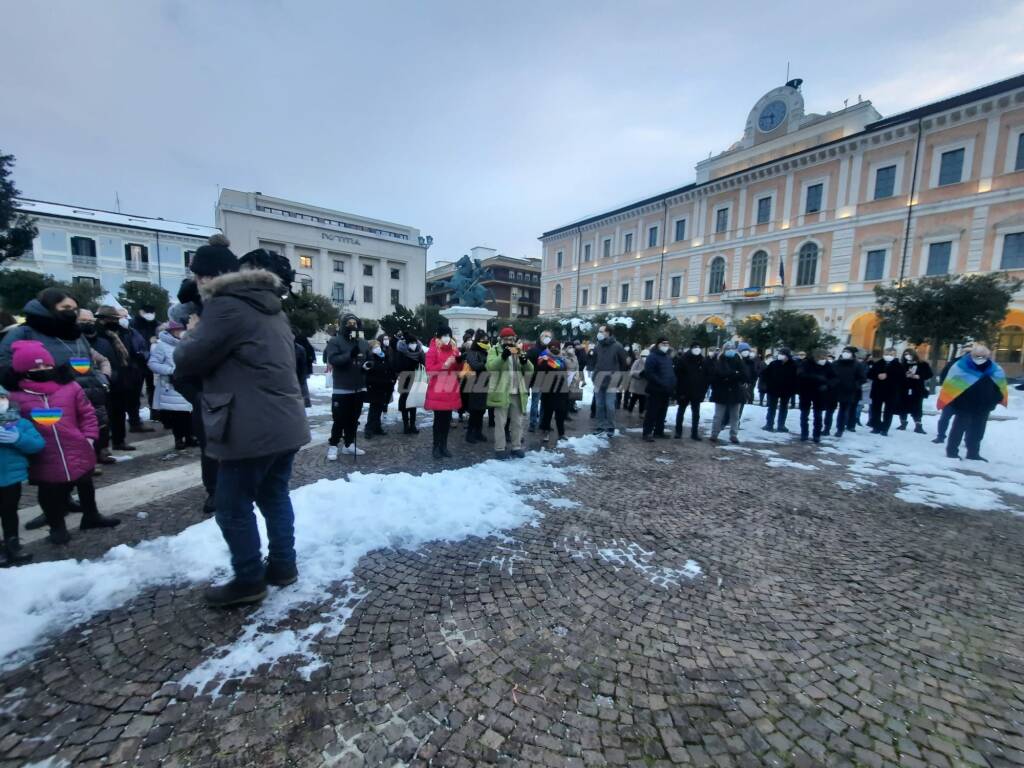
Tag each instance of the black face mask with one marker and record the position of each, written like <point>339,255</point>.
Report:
<point>43,375</point>
<point>88,329</point>
<point>67,315</point>
<point>350,332</point>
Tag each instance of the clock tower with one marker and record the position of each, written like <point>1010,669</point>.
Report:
<point>778,112</point>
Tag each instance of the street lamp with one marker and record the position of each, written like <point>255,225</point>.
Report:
<point>715,329</point>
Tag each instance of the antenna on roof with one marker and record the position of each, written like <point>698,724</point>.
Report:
<point>117,200</point>
<point>787,71</point>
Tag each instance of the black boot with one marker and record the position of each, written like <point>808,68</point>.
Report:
<point>235,592</point>
<point>444,448</point>
<point>919,429</point>
<point>209,506</point>
<point>280,575</point>
<point>412,422</point>
<point>14,554</point>
<point>98,521</point>
<point>695,434</point>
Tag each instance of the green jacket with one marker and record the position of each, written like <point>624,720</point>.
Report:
<point>499,382</point>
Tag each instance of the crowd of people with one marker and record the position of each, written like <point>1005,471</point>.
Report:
<point>227,373</point>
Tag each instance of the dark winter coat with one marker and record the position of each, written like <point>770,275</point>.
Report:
<point>552,372</point>
<point>346,357</point>
<point>915,390</point>
<point>817,384</point>
<point>145,328</point>
<point>608,364</point>
<point>659,373</point>
<point>729,380</point>
<point>850,378</point>
<point>890,389</point>
<point>303,342</point>
<point>380,381</point>
<point>245,353</point>
<point>692,376</point>
<point>780,377</point>
<point>474,385</point>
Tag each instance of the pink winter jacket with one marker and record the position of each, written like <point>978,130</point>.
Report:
<point>443,391</point>
<point>68,454</point>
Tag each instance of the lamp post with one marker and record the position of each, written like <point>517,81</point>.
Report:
<point>715,329</point>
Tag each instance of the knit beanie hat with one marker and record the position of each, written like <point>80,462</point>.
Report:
<point>26,355</point>
<point>506,332</point>
<point>214,258</point>
<point>729,345</point>
<point>443,330</point>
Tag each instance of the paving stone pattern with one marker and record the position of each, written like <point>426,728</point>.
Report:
<point>826,628</point>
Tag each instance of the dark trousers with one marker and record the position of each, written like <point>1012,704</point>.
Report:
<point>846,417</point>
<point>633,399</point>
<point>118,408</point>
<point>378,406</point>
<point>10,495</point>
<point>207,466</point>
<point>442,425</point>
<point>912,408</point>
<point>476,422</point>
<point>780,405</point>
<point>694,406</point>
<point>135,397</point>
<point>262,481</point>
<point>969,427</point>
<point>826,419</point>
<point>554,404</point>
<point>149,388</point>
<point>345,411</point>
<point>805,412</point>
<point>180,424</point>
<point>407,413</point>
<point>944,418</point>
<point>53,498</point>
<point>654,418</point>
<point>882,412</point>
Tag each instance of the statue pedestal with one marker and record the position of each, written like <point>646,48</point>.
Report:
<point>462,319</point>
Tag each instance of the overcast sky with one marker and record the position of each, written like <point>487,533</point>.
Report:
<point>481,123</point>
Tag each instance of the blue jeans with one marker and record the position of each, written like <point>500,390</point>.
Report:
<point>534,410</point>
<point>944,416</point>
<point>605,409</point>
<point>263,480</point>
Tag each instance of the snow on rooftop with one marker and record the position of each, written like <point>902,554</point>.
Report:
<point>43,208</point>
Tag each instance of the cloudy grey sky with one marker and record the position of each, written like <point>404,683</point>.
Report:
<point>478,122</point>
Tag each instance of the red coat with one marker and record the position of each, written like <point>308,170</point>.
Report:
<point>443,392</point>
<point>67,455</point>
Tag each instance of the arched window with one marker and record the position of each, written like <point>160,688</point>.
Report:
<point>758,270</point>
<point>558,297</point>
<point>807,264</point>
<point>716,280</point>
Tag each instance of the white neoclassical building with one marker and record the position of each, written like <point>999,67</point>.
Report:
<point>364,265</point>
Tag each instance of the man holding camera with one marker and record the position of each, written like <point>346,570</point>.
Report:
<point>348,356</point>
<point>508,392</point>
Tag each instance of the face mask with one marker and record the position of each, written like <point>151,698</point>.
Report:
<point>664,347</point>
<point>978,360</point>
<point>43,375</point>
<point>378,352</point>
<point>149,317</point>
<point>783,358</point>
<point>887,358</point>
<point>413,347</point>
<point>350,332</point>
<point>385,342</point>
<point>600,337</point>
<point>446,340</point>
<point>697,351</point>
<point>846,355</point>
<point>68,315</point>
<point>123,322</point>
<point>4,404</point>
<point>545,339</point>
<point>730,353</point>
<point>908,359</point>
<point>745,353</point>
<point>88,329</point>
<point>821,362</point>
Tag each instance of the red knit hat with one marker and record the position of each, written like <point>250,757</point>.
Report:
<point>26,355</point>
<point>506,332</point>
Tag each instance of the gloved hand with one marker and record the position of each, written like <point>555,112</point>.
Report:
<point>506,353</point>
<point>8,436</point>
<point>522,359</point>
<point>355,352</point>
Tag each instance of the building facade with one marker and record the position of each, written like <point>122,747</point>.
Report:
<point>810,212</point>
<point>85,245</point>
<point>363,265</point>
<point>516,283</point>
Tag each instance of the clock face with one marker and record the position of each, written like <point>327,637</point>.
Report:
<point>771,116</point>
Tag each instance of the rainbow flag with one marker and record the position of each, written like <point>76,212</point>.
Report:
<point>963,375</point>
<point>46,417</point>
<point>81,365</point>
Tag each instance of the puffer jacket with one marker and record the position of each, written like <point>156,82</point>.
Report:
<point>346,357</point>
<point>67,454</point>
<point>692,374</point>
<point>244,352</point>
<point>659,374</point>
<point>850,378</point>
<point>729,380</point>
<point>14,456</point>
<point>161,362</point>
<point>474,385</point>
<point>504,373</point>
<point>817,384</point>
<point>443,387</point>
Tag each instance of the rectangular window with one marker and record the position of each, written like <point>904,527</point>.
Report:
<point>813,198</point>
<point>604,294</point>
<point>338,293</point>
<point>764,210</point>
<point>1013,251</point>
<point>339,265</point>
<point>368,294</point>
<point>648,290</point>
<point>875,265</point>
<point>585,296</point>
<point>676,287</point>
<point>187,255</point>
<point>938,258</point>
<point>307,284</point>
<point>136,256</point>
<point>885,182</point>
<point>559,257</point>
<point>1019,165</point>
<point>607,247</point>
<point>721,220</point>
<point>83,246</point>
<point>624,293</point>
<point>396,274</point>
<point>652,237</point>
<point>680,230</point>
<point>305,262</point>
<point>394,297</point>
<point>586,252</point>
<point>92,282</point>
<point>951,167</point>
<point>628,243</point>
<point>367,270</point>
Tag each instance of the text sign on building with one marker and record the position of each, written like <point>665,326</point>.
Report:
<point>339,238</point>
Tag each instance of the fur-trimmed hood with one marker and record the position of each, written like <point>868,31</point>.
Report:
<point>257,287</point>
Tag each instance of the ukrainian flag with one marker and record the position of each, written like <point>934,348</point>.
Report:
<point>46,417</point>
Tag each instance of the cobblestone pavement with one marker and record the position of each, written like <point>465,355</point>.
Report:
<point>825,627</point>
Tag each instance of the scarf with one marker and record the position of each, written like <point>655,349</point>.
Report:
<point>964,374</point>
<point>115,339</point>
<point>39,387</point>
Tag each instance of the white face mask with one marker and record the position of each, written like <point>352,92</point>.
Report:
<point>446,340</point>
<point>908,359</point>
<point>600,337</point>
<point>147,316</point>
<point>413,347</point>
<point>697,351</point>
<point>545,339</point>
<point>783,358</point>
<point>379,352</point>
<point>821,362</point>
<point>845,355</point>
<point>123,322</point>
<point>385,342</point>
<point>887,358</point>
<point>978,360</point>
<point>664,347</point>
<point>4,404</point>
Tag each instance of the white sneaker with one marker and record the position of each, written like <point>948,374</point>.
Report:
<point>332,453</point>
<point>351,450</point>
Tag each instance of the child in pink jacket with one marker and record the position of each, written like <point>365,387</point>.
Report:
<point>66,420</point>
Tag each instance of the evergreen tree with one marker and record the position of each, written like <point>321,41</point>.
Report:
<point>16,229</point>
<point>140,293</point>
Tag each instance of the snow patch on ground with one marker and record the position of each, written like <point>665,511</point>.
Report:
<point>626,554</point>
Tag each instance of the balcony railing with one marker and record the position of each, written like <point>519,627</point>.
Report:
<point>137,266</point>
<point>80,260</point>
<point>754,293</point>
